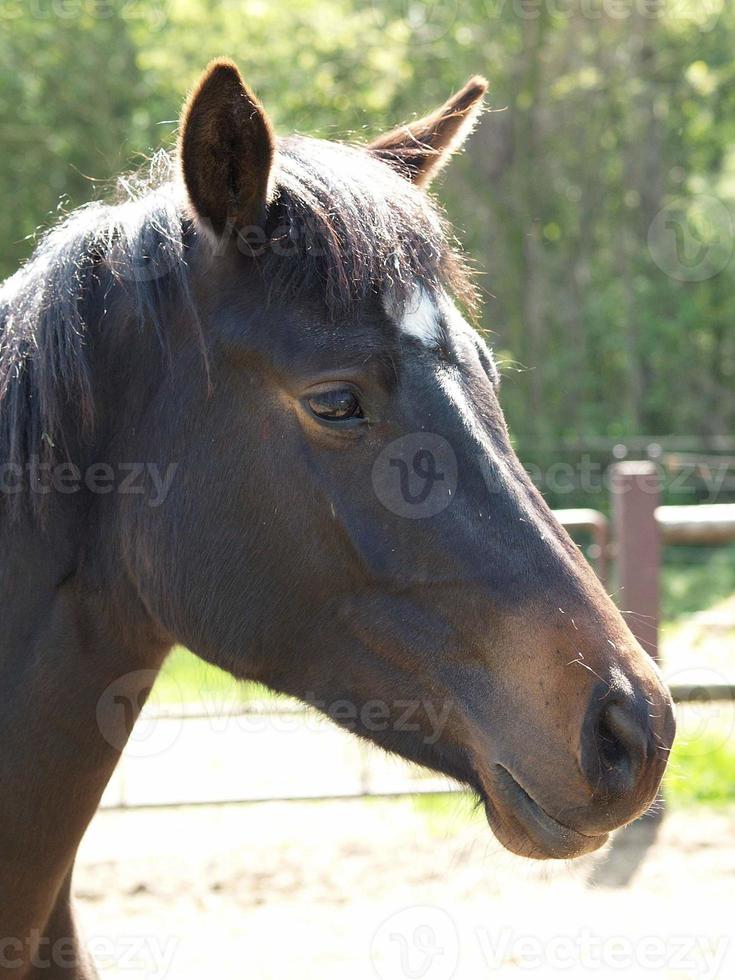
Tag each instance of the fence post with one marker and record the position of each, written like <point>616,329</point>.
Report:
<point>636,491</point>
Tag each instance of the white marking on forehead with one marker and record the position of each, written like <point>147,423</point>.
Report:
<point>430,319</point>
<point>422,318</point>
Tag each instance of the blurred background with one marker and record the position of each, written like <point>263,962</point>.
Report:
<point>597,200</point>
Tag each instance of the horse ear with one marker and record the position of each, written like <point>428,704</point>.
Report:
<point>420,149</point>
<point>226,149</point>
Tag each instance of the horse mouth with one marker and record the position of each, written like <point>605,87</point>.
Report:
<point>524,827</point>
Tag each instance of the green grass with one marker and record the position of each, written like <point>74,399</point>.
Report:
<point>185,679</point>
<point>702,764</point>
<point>701,773</point>
<point>695,579</point>
<point>444,811</point>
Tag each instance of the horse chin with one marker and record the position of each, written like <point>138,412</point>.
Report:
<point>525,828</point>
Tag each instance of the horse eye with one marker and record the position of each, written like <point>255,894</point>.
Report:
<point>336,405</point>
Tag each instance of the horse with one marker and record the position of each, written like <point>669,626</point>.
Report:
<point>243,408</point>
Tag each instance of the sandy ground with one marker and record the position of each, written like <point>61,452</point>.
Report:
<point>365,889</point>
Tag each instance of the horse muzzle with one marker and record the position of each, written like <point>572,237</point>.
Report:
<point>623,752</point>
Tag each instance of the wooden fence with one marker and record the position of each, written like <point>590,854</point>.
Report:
<point>640,527</point>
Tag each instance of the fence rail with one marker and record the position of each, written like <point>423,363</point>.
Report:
<point>709,524</point>
<point>641,525</point>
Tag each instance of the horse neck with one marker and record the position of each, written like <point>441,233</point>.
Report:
<point>71,653</point>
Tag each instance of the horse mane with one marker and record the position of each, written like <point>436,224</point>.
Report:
<point>47,309</point>
<point>342,227</point>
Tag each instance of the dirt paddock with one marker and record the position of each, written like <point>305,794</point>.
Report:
<point>388,889</point>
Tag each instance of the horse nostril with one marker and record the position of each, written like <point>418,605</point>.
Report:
<point>619,747</point>
<point>621,740</point>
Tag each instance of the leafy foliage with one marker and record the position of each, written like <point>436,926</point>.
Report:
<point>609,116</point>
